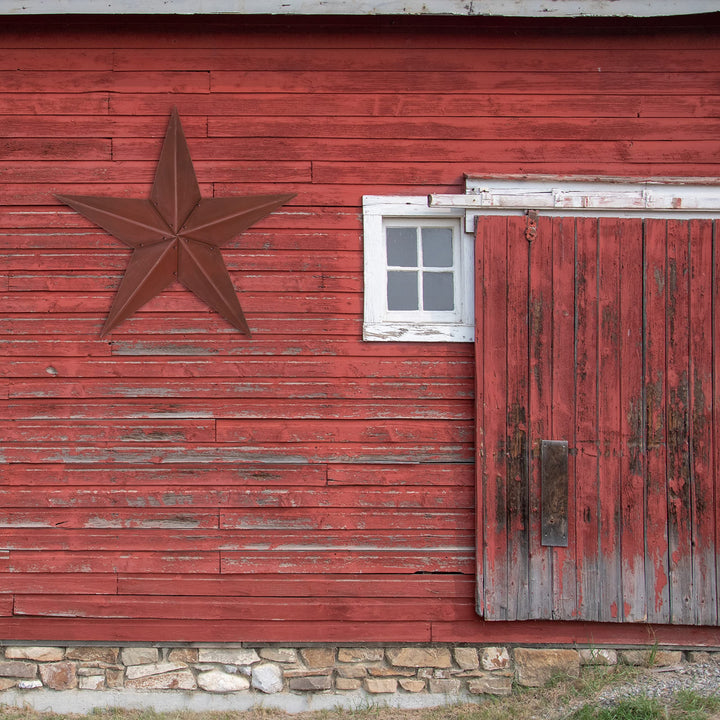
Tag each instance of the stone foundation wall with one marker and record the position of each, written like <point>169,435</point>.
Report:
<point>258,672</point>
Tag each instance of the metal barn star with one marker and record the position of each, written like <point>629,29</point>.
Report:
<point>175,234</point>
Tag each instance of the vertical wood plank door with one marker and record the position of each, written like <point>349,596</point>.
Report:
<point>601,332</point>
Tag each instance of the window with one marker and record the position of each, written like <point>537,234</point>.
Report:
<point>418,272</point>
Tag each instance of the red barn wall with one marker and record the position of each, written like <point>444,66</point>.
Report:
<point>177,481</point>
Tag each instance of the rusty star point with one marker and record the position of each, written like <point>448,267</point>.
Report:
<point>175,234</point>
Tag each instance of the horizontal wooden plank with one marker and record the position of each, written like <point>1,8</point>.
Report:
<point>55,583</point>
<point>397,475</point>
<point>236,261</point>
<point>426,126</point>
<point>67,59</point>
<point>109,431</point>
<point>356,171</point>
<point>65,81</point>
<point>72,103</point>
<point>342,431</point>
<point>289,543</point>
<point>213,631</point>
<point>575,633</point>
<point>295,217</point>
<point>340,303</point>
<point>442,104</point>
<point>408,151</point>
<point>351,388</point>
<point>88,561</point>
<point>55,149</point>
<point>182,367</point>
<point>300,586</point>
<point>428,81</point>
<point>313,519</point>
<point>280,282</point>
<point>242,608</point>
<point>142,172</point>
<point>255,520</point>
<point>102,126</point>
<point>17,343</point>
<point>75,519</point>
<point>186,333</point>
<point>241,475</point>
<point>6,606</point>
<point>344,562</point>
<point>221,454</point>
<point>267,409</point>
<point>514,59</point>
<point>230,497</point>
<point>275,240</point>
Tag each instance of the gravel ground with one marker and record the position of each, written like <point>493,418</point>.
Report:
<point>664,682</point>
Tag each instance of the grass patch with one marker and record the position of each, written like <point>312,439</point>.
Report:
<point>686,705</point>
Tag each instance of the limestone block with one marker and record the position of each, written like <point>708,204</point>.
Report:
<point>6,683</point>
<point>29,684</point>
<point>444,685</point>
<point>659,658</point>
<point>217,681</point>
<point>18,669</point>
<point>59,675</point>
<point>228,656</point>
<point>467,658</point>
<point>115,677</point>
<point>347,684</point>
<point>495,658</point>
<point>699,656</point>
<point>413,686</point>
<point>319,657</point>
<point>281,655</point>
<point>141,671</point>
<point>377,686</point>
<point>598,656</point>
<point>535,667</point>
<point>41,654</point>
<point>419,657</point>
<point>305,672</point>
<point>93,654</point>
<point>352,671</point>
<point>311,682</point>
<point>267,678</point>
<point>381,671</point>
<point>178,680</point>
<point>490,685</point>
<point>183,655</point>
<point>139,655</point>
<point>92,682</point>
<point>666,658</point>
<point>360,654</point>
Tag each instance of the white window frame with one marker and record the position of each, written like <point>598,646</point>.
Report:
<point>381,324</point>
<point>677,198</point>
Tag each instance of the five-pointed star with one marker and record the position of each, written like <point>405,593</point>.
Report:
<point>175,235</point>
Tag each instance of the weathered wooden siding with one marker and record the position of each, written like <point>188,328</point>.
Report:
<point>178,481</point>
<point>615,357</point>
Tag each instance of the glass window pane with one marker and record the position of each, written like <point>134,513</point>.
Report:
<point>438,291</point>
<point>437,247</point>
<point>402,246</point>
<point>402,290</point>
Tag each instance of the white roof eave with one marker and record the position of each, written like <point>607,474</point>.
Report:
<point>502,8</point>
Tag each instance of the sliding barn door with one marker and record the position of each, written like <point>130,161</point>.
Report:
<point>598,363</point>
